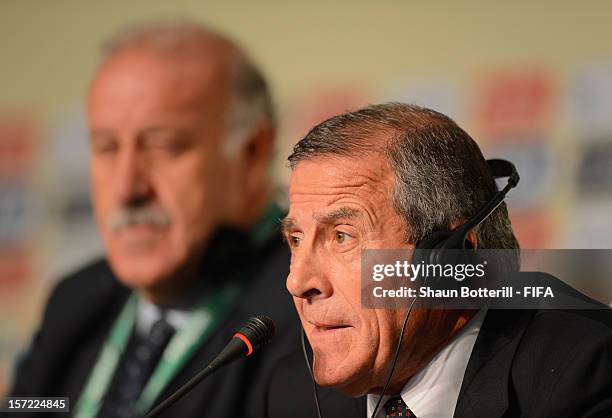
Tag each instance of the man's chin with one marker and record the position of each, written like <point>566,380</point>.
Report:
<point>142,275</point>
<point>338,377</point>
<point>350,388</point>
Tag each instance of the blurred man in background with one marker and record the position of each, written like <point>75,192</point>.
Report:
<point>182,131</point>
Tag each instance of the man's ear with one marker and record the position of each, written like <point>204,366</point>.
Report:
<point>258,148</point>
<point>471,236</point>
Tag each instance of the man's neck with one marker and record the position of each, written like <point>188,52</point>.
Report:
<point>172,289</point>
<point>434,390</point>
<point>396,385</point>
<point>169,294</point>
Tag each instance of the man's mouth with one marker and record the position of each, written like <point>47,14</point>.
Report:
<point>138,230</point>
<point>331,327</point>
<point>319,327</point>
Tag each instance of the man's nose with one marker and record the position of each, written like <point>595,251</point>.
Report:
<point>308,278</point>
<point>132,182</point>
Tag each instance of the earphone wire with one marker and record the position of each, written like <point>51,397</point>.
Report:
<point>314,384</point>
<point>395,357</point>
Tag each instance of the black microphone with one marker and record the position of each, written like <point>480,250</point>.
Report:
<point>256,333</point>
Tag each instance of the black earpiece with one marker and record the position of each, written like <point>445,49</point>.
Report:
<point>431,249</point>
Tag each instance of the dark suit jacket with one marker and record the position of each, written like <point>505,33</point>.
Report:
<point>525,363</point>
<point>83,307</point>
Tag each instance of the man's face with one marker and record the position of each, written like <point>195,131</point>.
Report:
<point>159,179</point>
<point>338,207</point>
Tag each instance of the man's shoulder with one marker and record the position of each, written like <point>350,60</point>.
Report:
<point>564,362</point>
<point>92,280</point>
<point>83,291</point>
<point>77,314</point>
<point>550,328</point>
<point>95,272</point>
<point>532,363</point>
<point>565,328</point>
<point>545,336</point>
<point>561,340</point>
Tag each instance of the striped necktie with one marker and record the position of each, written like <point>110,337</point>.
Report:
<point>135,368</point>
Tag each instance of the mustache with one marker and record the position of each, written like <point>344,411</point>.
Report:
<point>150,215</point>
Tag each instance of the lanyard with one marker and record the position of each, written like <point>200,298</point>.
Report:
<point>180,348</point>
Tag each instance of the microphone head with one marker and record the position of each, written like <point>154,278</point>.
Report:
<point>258,331</point>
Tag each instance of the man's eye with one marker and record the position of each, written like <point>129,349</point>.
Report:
<point>294,241</point>
<point>165,144</point>
<point>103,147</point>
<point>340,237</point>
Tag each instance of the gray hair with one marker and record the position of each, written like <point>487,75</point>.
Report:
<point>250,99</point>
<point>441,175</point>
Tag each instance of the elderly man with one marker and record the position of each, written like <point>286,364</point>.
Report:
<point>386,177</point>
<point>182,128</point>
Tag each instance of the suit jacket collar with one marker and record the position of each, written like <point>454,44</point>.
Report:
<point>485,392</point>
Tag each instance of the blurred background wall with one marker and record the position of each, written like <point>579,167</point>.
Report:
<point>531,81</point>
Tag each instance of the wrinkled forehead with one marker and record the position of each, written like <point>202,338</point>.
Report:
<point>329,179</point>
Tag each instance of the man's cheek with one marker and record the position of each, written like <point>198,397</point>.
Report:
<point>298,305</point>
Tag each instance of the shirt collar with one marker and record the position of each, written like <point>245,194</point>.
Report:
<point>149,313</point>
